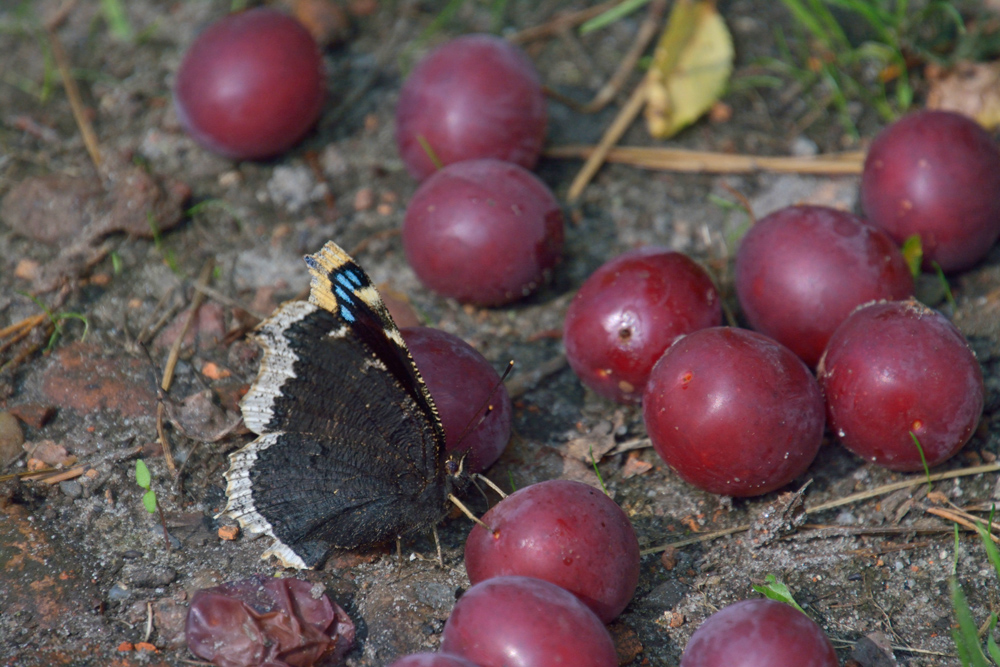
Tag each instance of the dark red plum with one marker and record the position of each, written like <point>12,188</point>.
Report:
<point>895,368</point>
<point>759,633</point>
<point>629,311</point>
<point>733,412</point>
<point>802,270</point>
<point>534,620</point>
<point>477,96</point>
<point>462,381</point>
<point>432,660</point>
<point>565,532</point>
<point>935,174</point>
<point>483,231</point>
<point>251,85</point>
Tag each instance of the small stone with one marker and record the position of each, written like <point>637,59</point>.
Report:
<point>87,379</point>
<point>119,592</point>
<point>333,162</point>
<point>364,199</point>
<point>803,146</point>
<point>27,269</point>
<point>11,438</point>
<point>71,488</point>
<point>228,533</point>
<point>48,453</point>
<point>169,617</point>
<point>669,558</point>
<point>139,576</point>
<point>627,644</point>
<point>229,179</point>
<point>293,187</point>
<point>35,415</point>
<point>132,554</point>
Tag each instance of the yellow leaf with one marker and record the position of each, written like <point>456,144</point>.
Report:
<point>968,88</point>
<point>691,66</point>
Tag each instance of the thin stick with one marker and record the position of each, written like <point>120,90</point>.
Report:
<point>618,127</point>
<point>895,486</point>
<point>647,31</point>
<point>560,22</point>
<point>957,518</point>
<point>28,351</point>
<point>704,537</point>
<point>75,101</point>
<point>168,372</point>
<point>28,323</point>
<point>847,500</point>
<point>218,296</point>
<point>17,338</point>
<point>706,162</point>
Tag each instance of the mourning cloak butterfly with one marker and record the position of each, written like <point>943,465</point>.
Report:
<point>351,450</point>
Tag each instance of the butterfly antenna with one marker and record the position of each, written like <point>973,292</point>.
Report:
<point>486,408</point>
<point>489,483</point>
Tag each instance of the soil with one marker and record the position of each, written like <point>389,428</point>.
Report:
<point>86,572</point>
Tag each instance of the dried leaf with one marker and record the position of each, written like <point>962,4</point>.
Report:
<point>691,67</point>
<point>972,89</point>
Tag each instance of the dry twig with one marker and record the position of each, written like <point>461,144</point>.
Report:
<point>679,160</point>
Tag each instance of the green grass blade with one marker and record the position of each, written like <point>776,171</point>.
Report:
<point>878,19</point>
<point>944,283</point>
<point>966,636</point>
<point>923,459</point>
<point>114,14</point>
<point>990,546</point>
<point>808,20</point>
<point>991,644</point>
<point>614,14</point>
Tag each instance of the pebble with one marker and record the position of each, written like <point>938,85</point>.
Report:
<point>293,187</point>
<point>846,519</point>
<point>119,592</point>
<point>11,438</point>
<point>71,488</point>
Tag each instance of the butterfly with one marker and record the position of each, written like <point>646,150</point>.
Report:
<point>351,450</point>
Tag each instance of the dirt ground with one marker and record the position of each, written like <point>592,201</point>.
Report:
<point>85,568</point>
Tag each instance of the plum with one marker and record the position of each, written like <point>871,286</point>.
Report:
<point>251,85</point>
<point>629,311</point>
<point>461,382</point>
<point>477,96</point>
<point>484,232</point>
<point>565,532</point>
<point>935,174</point>
<point>733,412</point>
<point>897,368</point>
<point>801,270</point>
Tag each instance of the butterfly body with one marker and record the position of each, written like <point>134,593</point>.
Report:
<point>351,451</point>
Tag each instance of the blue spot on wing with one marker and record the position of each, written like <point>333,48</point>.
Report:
<point>346,313</point>
<point>344,281</point>
<point>342,294</point>
<point>354,277</point>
